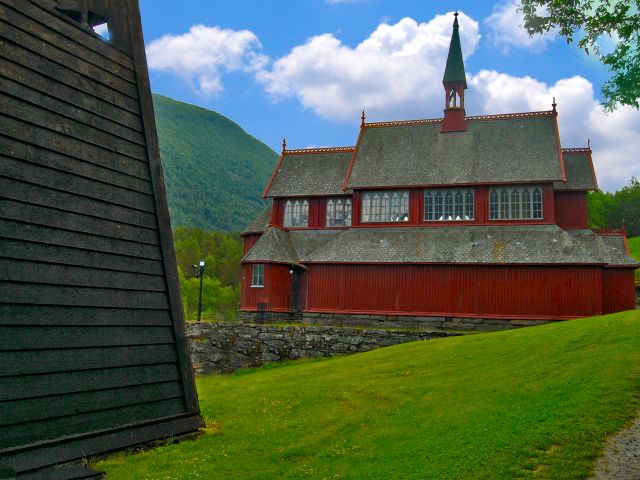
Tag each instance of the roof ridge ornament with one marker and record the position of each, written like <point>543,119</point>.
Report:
<point>554,105</point>
<point>362,118</point>
<point>284,144</point>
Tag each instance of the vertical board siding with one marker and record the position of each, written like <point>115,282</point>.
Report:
<point>571,209</point>
<point>92,334</point>
<point>250,240</point>
<point>455,290</point>
<point>276,292</point>
<point>618,290</point>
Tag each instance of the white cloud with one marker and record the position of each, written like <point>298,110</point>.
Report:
<point>202,55</point>
<point>395,72</point>
<point>506,29</point>
<point>614,136</point>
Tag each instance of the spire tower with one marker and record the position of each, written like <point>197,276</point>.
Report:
<point>455,83</point>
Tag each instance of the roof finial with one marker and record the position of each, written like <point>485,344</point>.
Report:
<point>589,143</point>
<point>554,105</point>
<point>284,144</point>
<point>362,117</point>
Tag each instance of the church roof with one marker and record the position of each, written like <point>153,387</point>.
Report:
<point>260,223</point>
<point>579,170</point>
<point>494,149</point>
<point>454,71</point>
<point>273,246</point>
<point>499,245</point>
<point>308,172</point>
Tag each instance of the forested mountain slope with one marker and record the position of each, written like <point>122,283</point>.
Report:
<point>214,171</point>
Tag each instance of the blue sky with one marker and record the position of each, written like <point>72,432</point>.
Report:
<point>305,69</point>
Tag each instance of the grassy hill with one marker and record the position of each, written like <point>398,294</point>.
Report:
<point>520,404</point>
<point>214,171</point>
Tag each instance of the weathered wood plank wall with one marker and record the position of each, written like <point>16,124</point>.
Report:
<point>92,353</point>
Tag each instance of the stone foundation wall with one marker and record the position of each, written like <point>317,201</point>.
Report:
<point>390,321</point>
<point>225,347</point>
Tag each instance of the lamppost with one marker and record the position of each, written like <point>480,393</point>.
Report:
<point>199,272</point>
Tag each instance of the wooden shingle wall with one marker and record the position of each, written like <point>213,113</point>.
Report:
<point>92,352</point>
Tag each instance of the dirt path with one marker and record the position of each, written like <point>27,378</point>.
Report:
<point>621,459</point>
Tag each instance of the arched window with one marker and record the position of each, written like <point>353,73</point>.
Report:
<point>448,205</point>
<point>518,203</point>
<point>515,203</point>
<point>366,208</point>
<point>296,213</point>
<point>376,214</point>
<point>439,206</point>
<point>331,213</point>
<point>468,205</point>
<point>458,208</point>
<point>494,207</point>
<point>385,206</point>
<point>537,203</point>
<point>428,205</point>
<point>526,203</point>
<point>404,207</point>
<point>504,204</point>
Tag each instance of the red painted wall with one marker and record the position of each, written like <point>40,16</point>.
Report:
<point>276,292</point>
<point>618,290</point>
<point>527,291</point>
<point>571,209</point>
<point>250,240</point>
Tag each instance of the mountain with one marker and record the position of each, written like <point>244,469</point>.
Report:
<point>214,171</point>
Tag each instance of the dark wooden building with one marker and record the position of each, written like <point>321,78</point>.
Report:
<point>461,216</point>
<point>92,351</point>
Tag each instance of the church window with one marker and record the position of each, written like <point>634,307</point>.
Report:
<point>515,203</point>
<point>257,275</point>
<point>385,206</point>
<point>296,213</point>
<point>339,212</point>
<point>448,205</point>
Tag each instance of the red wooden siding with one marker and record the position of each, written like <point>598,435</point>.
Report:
<point>571,209</point>
<point>526,291</point>
<point>276,292</point>
<point>618,290</point>
<point>250,240</point>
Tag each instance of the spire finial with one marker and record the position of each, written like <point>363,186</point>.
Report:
<point>284,144</point>
<point>554,105</point>
<point>589,143</point>
<point>362,118</point>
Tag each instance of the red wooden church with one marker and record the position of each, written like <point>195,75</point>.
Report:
<point>479,217</point>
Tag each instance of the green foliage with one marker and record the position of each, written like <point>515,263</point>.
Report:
<point>221,283</point>
<point>530,403</point>
<point>634,249</point>
<point>214,171</point>
<point>593,20</point>
<point>613,210</point>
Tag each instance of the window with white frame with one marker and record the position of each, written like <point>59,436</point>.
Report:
<point>515,203</point>
<point>385,206</point>
<point>257,275</point>
<point>448,205</point>
<point>338,212</point>
<point>296,213</point>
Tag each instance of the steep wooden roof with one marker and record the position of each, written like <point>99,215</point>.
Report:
<point>579,170</point>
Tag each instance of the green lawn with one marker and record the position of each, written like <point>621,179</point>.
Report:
<point>520,404</point>
<point>634,249</point>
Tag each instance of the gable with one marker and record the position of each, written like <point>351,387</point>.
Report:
<point>579,170</point>
<point>312,172</point>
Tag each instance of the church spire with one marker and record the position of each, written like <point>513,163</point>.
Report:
<point>455,83</point>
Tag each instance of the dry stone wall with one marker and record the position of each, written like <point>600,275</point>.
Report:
<point>225,347</point>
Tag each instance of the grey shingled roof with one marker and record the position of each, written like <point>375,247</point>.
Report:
<point>537,244</point>
<point>609,247</point>
<point>579,172</point>
<point>504,149</point>
<point>307,174</point>
<point>273,246</point>
<point>260,223</point>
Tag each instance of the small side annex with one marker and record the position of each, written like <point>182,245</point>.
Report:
<point>460,216</point>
